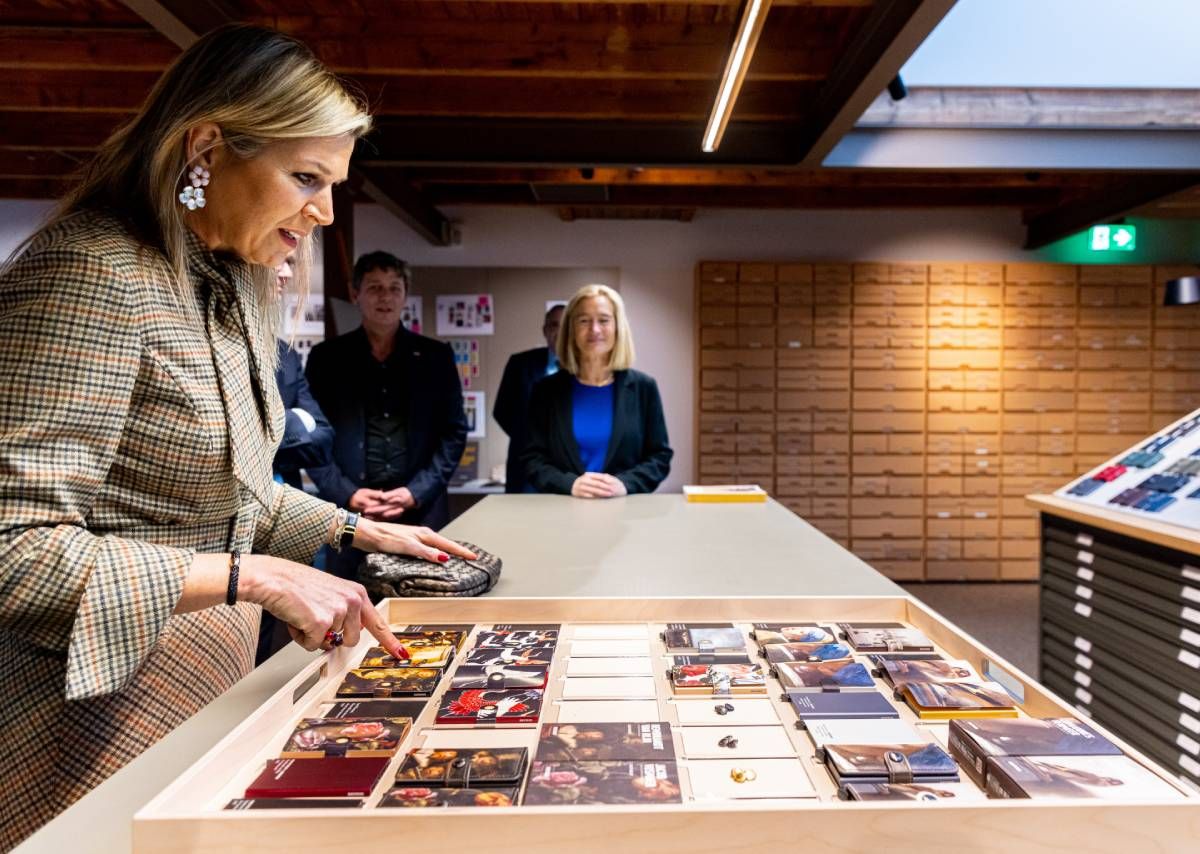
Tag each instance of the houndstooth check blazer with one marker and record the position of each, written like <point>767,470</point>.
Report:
<point>133,434</point>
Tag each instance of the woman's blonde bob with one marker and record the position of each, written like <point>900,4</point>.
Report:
<point>622,355</point>
<point>259,86</point>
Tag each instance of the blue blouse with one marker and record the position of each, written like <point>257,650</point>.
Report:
<point>592,422</point>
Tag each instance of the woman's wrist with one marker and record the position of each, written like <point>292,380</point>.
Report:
<point>256,580</point>
<point>365,538</point>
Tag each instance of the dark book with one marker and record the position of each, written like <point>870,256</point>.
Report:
<point>704,637</point>
<point>1105,777</point>
<point>360,738</point>
<point>769,633</point>
<point>420,797</point>
<point>500,676</point>
<point>591,742</point>
<point>516,637</point>
<point>485,706</point>
<point>885,637</point>
<point>718,679</point>
<point>823,676</point>
<point>517,656</point>
<point>939,701</point>
<point>813,705</point>
<point>375,709</point>
<point>437,655</point>
<point>456,633</point>
<point>463,768</point>
<point>294,803</point>
<point>390,682</point>
<point>948,792</point>
<point>777,652</point>
<point>888,763</point>
<point>898,673</point>
<point>586,783</point>
<point>711,658</point>
<point>317,778</point>
<point>973,741</point>
<point>878,658</point>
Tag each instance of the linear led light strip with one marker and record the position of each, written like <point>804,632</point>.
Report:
<point>749,29</point>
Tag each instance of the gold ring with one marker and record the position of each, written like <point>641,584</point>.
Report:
<point>743,775</point>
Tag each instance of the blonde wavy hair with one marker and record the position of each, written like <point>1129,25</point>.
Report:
<point>259,86</point>
<point>622,355</point>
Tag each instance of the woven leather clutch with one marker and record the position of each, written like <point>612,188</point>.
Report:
<point>400,575</point>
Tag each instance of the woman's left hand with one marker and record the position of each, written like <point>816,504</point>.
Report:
<point>615,485</point>
<point>391,538</point>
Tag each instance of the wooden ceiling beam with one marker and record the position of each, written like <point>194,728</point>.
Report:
<point>183,21</point>
<point>40,164</point>
<point>507,48</point>
<point>85,48</point>
<point>510,142</point>
<point>30,129</point>
<point>101,90</point>
<point>1105,206</point>
<point>891,33</point>
<point>823,198</point>
<point>21,187</point>
<point>754,177</point>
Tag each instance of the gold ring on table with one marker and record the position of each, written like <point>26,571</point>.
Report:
<point>743,775</point>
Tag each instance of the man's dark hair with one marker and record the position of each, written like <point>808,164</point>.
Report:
<point>384,261</point>
<point>562,306</point>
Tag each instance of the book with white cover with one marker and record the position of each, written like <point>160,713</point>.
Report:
<point>607,711</point>
<point>881,731</point>
<point>609,667</point>
<point>609,688</point>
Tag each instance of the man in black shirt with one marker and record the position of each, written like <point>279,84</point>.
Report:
<point>512,400</point>
<point>395,401</point>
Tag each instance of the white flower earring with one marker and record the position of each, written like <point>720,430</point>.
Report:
<point>192,196</point>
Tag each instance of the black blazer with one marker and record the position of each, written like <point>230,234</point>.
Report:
<point>299,448</point>
<point>437,425</point>
<point>512,408</point>
<point>638,453</point>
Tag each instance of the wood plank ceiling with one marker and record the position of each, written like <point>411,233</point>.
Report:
<point>591,108</point>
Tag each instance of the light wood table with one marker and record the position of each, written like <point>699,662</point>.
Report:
<point>552,546</point>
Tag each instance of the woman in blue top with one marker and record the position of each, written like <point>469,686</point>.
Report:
<point>596,428</point>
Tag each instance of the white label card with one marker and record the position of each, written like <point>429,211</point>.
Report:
<point>1083,696</point>
<point>1085,557</point>
<point>1083,610</point>
<point>1083,643</point>
<point>1083,661</point>
<point>1083,679</point>
<point>1083,592</point>
<point>1084,573</point>
<point>1084,540</point>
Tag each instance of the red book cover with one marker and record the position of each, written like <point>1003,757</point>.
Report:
<point>335,777</point>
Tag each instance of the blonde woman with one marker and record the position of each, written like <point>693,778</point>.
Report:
<point>142,531</point>
<point>596,428</point>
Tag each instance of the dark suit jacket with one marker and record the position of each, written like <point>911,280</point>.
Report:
<point>299,449</point>
<point>512,408</point>
<point>437,425</point>
<point>638,453</point>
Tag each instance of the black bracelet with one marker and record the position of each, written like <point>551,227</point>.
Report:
<point>235,564</point>
<point>346,532</point>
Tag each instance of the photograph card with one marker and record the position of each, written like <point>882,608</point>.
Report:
<point>587,783</point>
<point>823,676</point>
<point>704,637</point>
<point>520,657</point>
<point>463,768</point>
<point>360,738</point>
<point>811,652</point>
<point>421,797</point>
<point>771,633</point>
<point>818,705</point>
<point>604,741</point>
<point>500,676</point>
<point>718,679</point>
<point>472,706</point>
<point>390,682</point>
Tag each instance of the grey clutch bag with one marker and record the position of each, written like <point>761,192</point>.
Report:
<point>400,575</point>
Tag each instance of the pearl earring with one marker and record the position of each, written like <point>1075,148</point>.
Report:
<point>192,196</point>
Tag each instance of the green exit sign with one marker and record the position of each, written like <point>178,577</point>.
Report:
<point>1113,238</point>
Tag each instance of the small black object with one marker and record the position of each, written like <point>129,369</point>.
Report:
<point>720,709</point>
<point>1182,291</point>
<point>235,565</point>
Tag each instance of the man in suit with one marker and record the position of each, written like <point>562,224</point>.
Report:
<point>395,401</point>
<point>512,400</point>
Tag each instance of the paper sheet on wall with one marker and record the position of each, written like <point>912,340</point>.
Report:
<point>465,314</point>
<point>466,359</point>
<point>412,313</point>
<point>475,407</point>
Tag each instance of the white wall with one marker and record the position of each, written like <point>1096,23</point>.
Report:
<point>657,262</point>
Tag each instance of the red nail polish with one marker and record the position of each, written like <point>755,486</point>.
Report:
<point>443,558</point>
<point>404,656</point>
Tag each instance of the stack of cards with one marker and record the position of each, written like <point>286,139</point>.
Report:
<point>884,637</point>
<point>609,675</point>
<point>823,676</point>
<point>889,763</point>
<point>939,701</point>
<point>766,634</point>
<point>431,649</point>
<point>898,672</point>
<point>604,763</point>
<point>446,777</point>
<point>974,742</point>
<point>703,637</point>
<point>503,678</point>
<point>694,675</point>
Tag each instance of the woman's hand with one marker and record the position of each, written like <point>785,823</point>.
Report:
<point>373,536</point>
<point>312,602</point>
<point>597,485</point>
